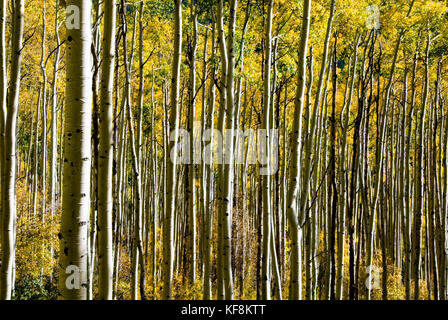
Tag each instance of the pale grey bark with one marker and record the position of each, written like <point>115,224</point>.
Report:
<point>418,180</point>
<point>44,112</point>
<point>267,212</point>
<point>296,218</point>
<point>10,150</point>
<point>191,168</point>
<point>221,122</point>
<point>208,200</point>
<point>3,92</point>
<point>54,117</point>
<point>105,158</point>
<point>226,205</point>
<point>77,157</point>
<point>171,178</point>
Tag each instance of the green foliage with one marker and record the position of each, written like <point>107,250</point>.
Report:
<point>35,288</point>
<point>162,8</point>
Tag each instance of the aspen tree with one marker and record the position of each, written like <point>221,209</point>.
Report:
<point>432,223</point>
<point>438,134</point>
<point>445,211</point>
<point>155,196</point>
<point>418,208</point>
<point>105,246</point>
<point>342,172</point>
<point>208,201</point>
<point>36,154</point>
<point>226,124</point>
<point>44,113</point>
<point>227,196</point>
<point>404,189</point>
<point>3,94</point>
<point>203,172</point>
<point>221,118</point>
<point>444,219</point>
<point>54,116</point>
<point>30,151</point>
<point>408,190</point>
<point>138,255</point>
<point>138,214</point>
<point>352,200</point>
<point>119,142</point>
<point>171,179</point>
<point>333,197</point>
<point>190,182</point>
<point>10,150</point>
<point>266,278</point>
<point>296,218</point>
<point>141,88</point>
<point>93,225</point>
<point>77,153</point>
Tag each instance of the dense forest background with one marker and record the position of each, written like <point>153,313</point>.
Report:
<point>112,186</point>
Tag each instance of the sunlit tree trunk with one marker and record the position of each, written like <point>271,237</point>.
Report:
<point>77,157</point>
<point>296,218</point>
<point>171,175</point>
<point>3,92</point>
<point>54,117</point>
<point>208,200</point>
<point>9,184</point>
<point>105,247</point>
<point>266,274</point>
<point>44,113</point>
<point>190,182</point>
<point>221,118</point>
<point>227,196</point>
<point>418,174</point>
<point>333,191</point>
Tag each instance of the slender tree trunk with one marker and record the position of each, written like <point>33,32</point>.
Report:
<point>418,208</point>
<point>44,114</point>
<point>105,158</point>
<point>265,172</point>
<point>296,218</point>
<point>333,187</point>
<point>9,184</point>
<point>208,201</point>
<point>191,166</point>
<point>171,179</point>
<point>54,117</point>
<point>3,110</point>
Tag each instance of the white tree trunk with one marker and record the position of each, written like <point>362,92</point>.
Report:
<point>9,184</point>
<point>267,212</point>
<point>105,157</point>
<point>3,91</point>
<point>295,218</point>
<point>77,157</point>
<point>54,118</point>
<point>171,178</point>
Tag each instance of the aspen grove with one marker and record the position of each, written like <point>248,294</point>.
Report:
<point>223,149</point>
